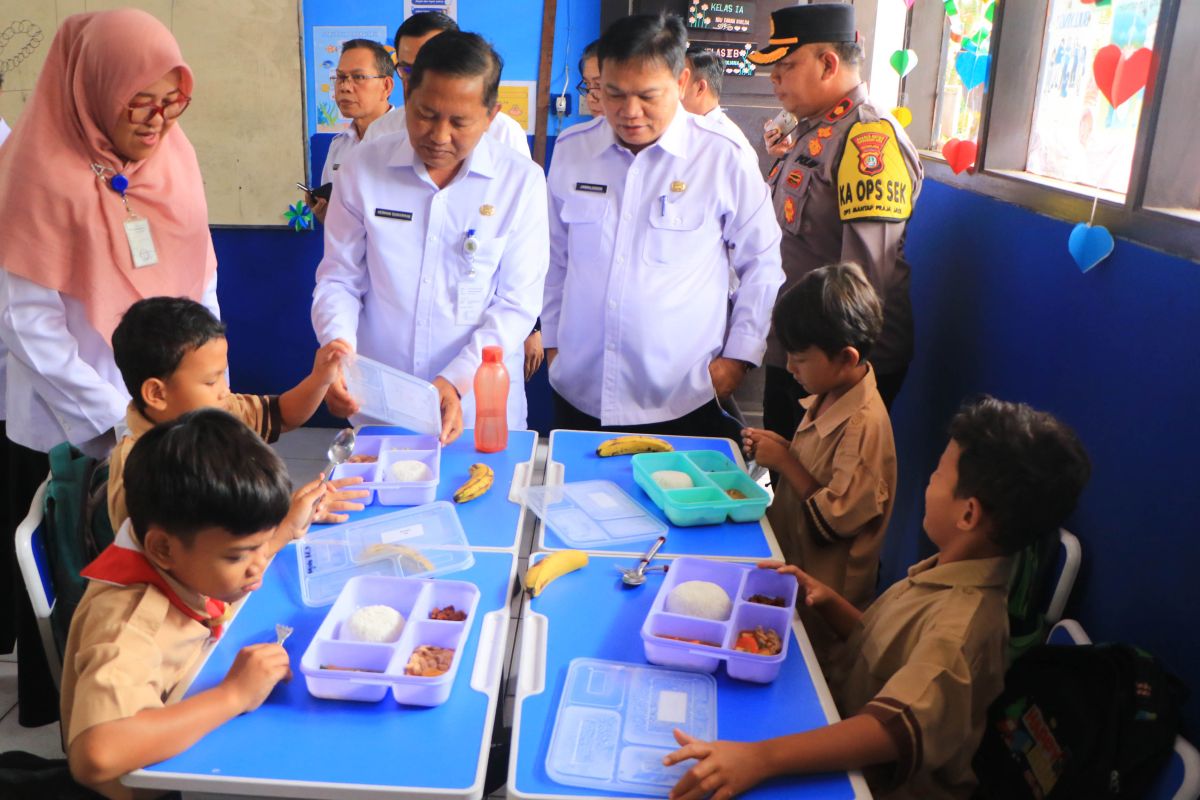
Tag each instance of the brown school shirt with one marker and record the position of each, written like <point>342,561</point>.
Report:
<point>260,412</point>
<point>836,534</point>
<point>127,651</point>
<point>926,660</point>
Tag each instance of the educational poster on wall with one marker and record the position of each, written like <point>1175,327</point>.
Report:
<point>732,55</point>
<point>447,7</point>
<point>516,99</point>
<point>712,16</point>
<point>327,49</point>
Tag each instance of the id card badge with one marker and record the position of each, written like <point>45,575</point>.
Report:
<point>141,244</point>
<point>468,309</point>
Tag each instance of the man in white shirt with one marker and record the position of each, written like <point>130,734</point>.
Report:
<point>362,84</point>
<point>436,242</point>
<point>702,95</point>
<point>411,36</point>
<point>649,207</point>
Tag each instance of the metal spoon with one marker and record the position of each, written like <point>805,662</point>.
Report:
<point>751,465</point>
<point>637,575</point>
<point>339,451</point>
<point>282,632</point>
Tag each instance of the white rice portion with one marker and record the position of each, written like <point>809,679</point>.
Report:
<point>379,624</point>
<point>672,479</point>
<point>703,599</point>
<point>409,471</point>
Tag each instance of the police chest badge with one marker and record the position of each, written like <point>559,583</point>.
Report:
<point>795,178</point>
<point>789,209</point>
<point>872,177</point>
<point>774,171</point>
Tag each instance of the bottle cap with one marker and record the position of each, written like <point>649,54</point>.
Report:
<point>493,354</point>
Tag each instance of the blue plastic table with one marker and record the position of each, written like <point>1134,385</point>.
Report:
<point>572,457</point>
<point>296,745</point>
<point>493,520</point>
<point>590,614</point>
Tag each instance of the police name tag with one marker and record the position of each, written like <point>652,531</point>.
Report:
<point>387,213</point>
<point>468,310</point>
<point>141,245</point>
<point>595,188</point>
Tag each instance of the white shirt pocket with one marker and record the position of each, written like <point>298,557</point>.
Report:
<point>671,234</point>
<point>584,217</point>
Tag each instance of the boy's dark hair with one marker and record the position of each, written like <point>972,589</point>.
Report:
<point>423,23</point>
<point>588,52</point>
<point>205,469</point>
<point>461,55</point>
<point>154,336</point>
<point>1025,468</point>
<point>830,308</point>
<point>645,37</point>
<point>383,59</point>
<point>705,65</point>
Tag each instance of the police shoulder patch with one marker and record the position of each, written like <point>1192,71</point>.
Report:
<point>872,177</point>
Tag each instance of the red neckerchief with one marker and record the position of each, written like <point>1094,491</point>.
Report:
<point>123,566</point>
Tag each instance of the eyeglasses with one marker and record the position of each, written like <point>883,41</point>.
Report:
<point>358,78</point>
<point>141,113</point>
<point>583,87</point>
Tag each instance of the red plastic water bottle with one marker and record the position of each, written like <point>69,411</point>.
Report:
<point>491,402</point>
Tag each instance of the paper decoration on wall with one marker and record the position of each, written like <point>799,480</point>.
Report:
<point>972,68</point>
<point>990,13</point>
<point>1097,3</point>
<point>903,61</point>
<point>909,3</point>
<point>299,216</point>
<point>1089,245</point>
<point>18,42</point>
<point>951,8</point>
<point>1119,77</point>
<point>960,155</point>
<point>902,115</point>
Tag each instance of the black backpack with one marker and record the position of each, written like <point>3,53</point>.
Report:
<point>1090,721</point>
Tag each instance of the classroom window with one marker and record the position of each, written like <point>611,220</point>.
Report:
<point>962,79</point>
<point>1078,135</point>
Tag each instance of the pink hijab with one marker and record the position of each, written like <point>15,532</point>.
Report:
<point>64,228</point>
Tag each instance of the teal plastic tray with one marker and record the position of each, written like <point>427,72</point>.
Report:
<point>707,502</point>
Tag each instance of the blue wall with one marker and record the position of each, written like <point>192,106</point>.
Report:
<point>1001,308</point>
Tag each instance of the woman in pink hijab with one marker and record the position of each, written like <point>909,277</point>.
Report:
<point>101,204</point>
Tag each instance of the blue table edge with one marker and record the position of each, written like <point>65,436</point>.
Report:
<point>240,786</point>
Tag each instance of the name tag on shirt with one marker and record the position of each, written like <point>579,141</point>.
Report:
<point>468,310</point>
<point>387,213</point>
<point>141,245</point>
<point>595,188</point>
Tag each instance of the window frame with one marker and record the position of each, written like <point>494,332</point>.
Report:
<point>1160,209</point>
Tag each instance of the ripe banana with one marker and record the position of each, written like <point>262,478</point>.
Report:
<point>628,445</point>
<point>555,565</point>
<point>477,485</point>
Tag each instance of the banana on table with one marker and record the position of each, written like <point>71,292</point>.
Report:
<point>553,566</point>
<point>631,445</point>
<point>481,480</point>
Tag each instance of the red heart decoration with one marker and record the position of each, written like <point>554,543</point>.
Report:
<point>959,155</point>
<point>1121,78</point>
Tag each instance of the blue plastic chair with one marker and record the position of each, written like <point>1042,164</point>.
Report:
<point>1180,779</point>
<point>35,570</point>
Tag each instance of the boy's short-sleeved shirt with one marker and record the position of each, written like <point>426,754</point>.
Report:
<point>128,649</point>
<point>259,411</point>
<point>836,534</point>
<point>926,660</point>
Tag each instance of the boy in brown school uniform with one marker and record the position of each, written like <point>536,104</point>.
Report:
<point>173,357</point>
<point>921,666</point>
<point>205,497</point>
<point>837,476</point>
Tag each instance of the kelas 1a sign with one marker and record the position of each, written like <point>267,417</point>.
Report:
<point>715,16</point>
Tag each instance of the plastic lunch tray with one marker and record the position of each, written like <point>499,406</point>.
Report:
<point>392,397</point>
<point>368,670</point>
<point>592,513</point>
<point>425,542</point>
<point>740,581</point>
<point>615,722</point>
<point>387,450</point>
<point>707,502</point>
